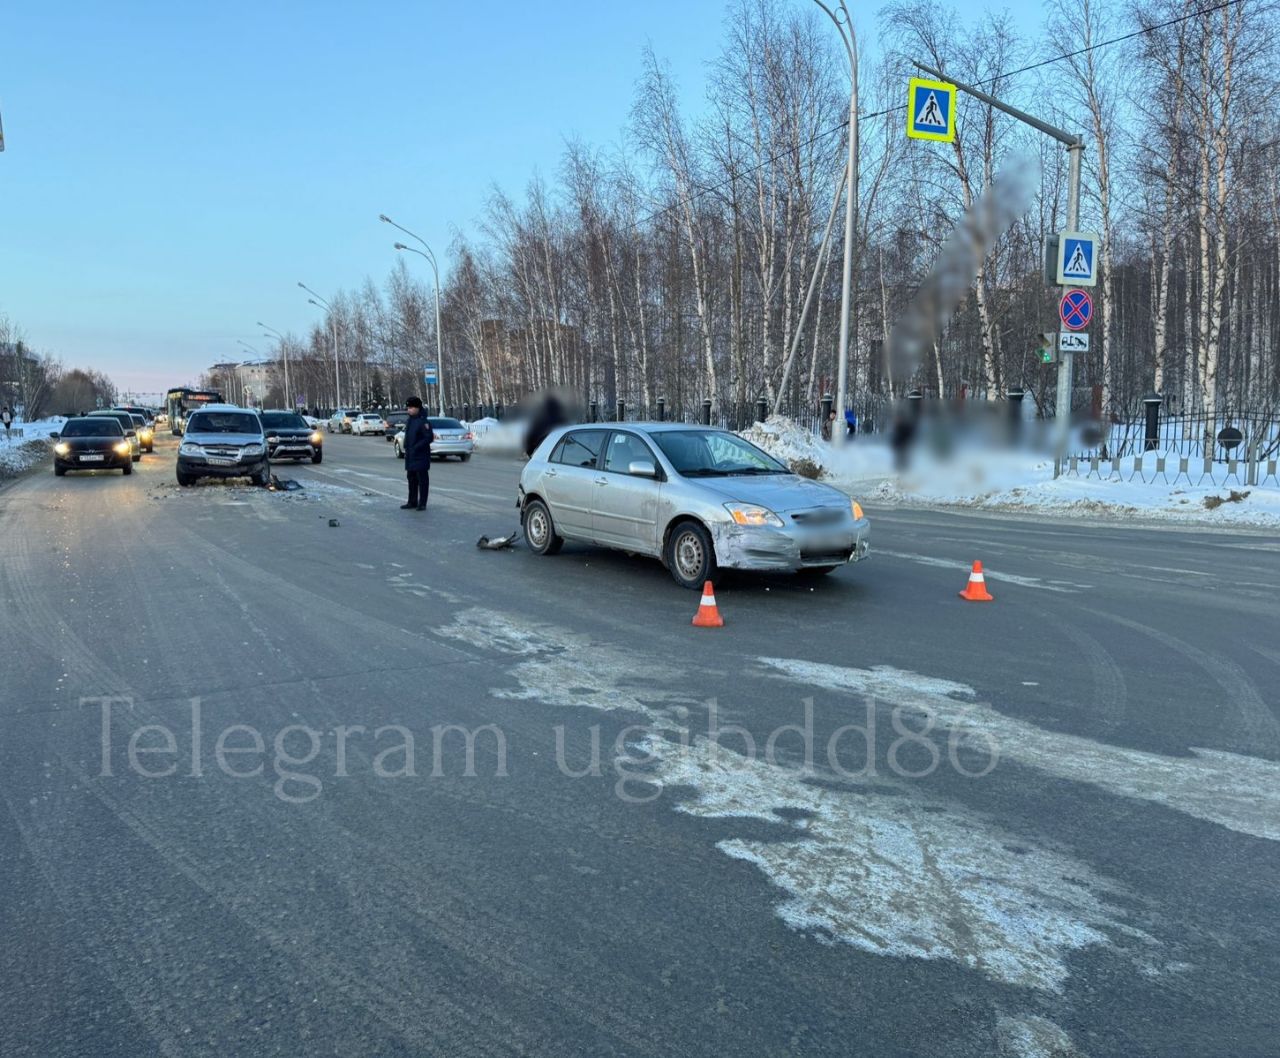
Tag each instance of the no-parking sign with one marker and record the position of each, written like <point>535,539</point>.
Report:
<point>1076,309</point>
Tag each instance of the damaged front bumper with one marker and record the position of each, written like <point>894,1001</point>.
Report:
<point>763,548</point>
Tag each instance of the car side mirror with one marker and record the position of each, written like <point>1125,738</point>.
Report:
<point>131,433</point>
<point>54,436</point>
<point>642,468</point>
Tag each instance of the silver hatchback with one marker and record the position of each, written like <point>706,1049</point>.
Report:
<point>696,497</point>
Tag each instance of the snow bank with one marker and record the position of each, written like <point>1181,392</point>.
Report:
<point>1011,480</point>
<point>18,456</point>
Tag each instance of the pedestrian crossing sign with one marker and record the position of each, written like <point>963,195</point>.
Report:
<point>1078,259</point>
<point>931,110</point>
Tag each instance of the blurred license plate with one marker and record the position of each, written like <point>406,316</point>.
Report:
<point>220,461</point>
<point>93,459</point>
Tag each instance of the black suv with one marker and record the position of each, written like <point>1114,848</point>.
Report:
<point>289,437</point>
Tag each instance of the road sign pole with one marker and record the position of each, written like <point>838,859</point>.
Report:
<point>1075,148</point>
<point>1062,408</point>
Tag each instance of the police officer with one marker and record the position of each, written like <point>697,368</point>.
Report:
<point>418,436</point>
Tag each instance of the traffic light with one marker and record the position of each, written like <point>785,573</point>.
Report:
<point>1047,348</point>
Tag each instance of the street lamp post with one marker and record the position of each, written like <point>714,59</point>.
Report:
<point>844,26</point>
<point>284,354</point>
<point>320,302</point>
<point>244,390</point>
<point>435,271</point>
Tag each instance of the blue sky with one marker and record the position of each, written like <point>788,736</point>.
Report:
<point>173,169</point>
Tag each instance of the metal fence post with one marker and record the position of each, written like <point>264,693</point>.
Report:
<point>622,410</point>
<point>762,409</point>
<point>706,411</point>
<point>662,409</point>
<point>1152,402</point>
<point>595,411</point>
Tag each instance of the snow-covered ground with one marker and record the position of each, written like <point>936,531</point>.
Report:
<point>1012,480</point>
<point>20,453</point>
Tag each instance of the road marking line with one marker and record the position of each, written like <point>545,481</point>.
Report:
<point>1009,578</point>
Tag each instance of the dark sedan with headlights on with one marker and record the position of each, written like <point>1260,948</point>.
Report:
<point>289,437</point>
<point>92,443</point>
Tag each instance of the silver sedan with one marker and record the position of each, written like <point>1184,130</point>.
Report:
<point>696,497</point>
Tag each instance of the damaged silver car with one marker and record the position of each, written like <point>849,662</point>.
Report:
<point>696,497</point>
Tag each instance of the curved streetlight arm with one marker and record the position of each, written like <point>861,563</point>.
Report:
<point>413,235</point>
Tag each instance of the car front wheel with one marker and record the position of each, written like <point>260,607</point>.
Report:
<point>539,530</point>
<point>127,469</point>
<point>317,457</point>
<point>690,555</point>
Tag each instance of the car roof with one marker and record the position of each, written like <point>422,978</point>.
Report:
<point>644,427</point>
<point>222,407</point>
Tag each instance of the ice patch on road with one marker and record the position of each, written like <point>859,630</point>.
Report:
<point>563,668</point>
<point>1238,792</point>
<point>1029,1036</point>
<point>902,874</point>
<point>887,869</point>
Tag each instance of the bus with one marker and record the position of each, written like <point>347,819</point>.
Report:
<point>179,403</point>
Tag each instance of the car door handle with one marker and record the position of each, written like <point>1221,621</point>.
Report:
<point>551,473</point>
<point>602,481</point>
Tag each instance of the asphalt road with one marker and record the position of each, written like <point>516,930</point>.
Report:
<point>1043,826</point>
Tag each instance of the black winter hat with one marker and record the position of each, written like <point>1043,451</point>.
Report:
<point>413,402</point>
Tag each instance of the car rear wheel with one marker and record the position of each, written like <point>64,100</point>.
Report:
<point>690,555</point>
<point>317,457</point>
<point>539,530</point>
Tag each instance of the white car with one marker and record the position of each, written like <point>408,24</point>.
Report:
<point>452,438</point>
<point>368,422</point>
<point>340,421</point>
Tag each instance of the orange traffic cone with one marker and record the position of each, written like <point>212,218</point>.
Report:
<point>976,589</point>
<point>708,616</point>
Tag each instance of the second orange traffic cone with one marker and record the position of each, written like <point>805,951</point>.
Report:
<point>708,616</point>
<point>976,589</point>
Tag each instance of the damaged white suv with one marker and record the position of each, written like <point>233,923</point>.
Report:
<point>696,497</point>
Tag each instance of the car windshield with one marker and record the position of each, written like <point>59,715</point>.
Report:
<point>283,421</point>
<point>223,422</point>
<point>100,426</point>
<point>438,423</point>
<point>710,453</point>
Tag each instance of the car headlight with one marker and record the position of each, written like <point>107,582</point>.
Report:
<point>857,510</point>
<point>750,514</point>
<point>122,448</point>
<point>190,448</point>
<point>62,448</point>
<point>254,450</point>
<point>273,440</point>
<point>317,438</point>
